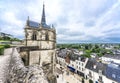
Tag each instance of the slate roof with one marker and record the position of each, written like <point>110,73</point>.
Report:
<point>95,66</point>
<point>45,26</point>
<point>34,24</point>
<point>62,53</point>
<point>113,72</point>
<point>74,56</point>
<point>82,58</point>
<point>112,56</point>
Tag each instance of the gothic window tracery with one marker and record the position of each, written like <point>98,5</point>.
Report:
<point>46,37</point>
<point>34,36</point>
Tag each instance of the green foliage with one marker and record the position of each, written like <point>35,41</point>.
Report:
<point>87,46</point>
<point>90,81</point>
<point>116,47</point>
<point>88,49</point>
<point>83,80</point>
<point>100,54</point>
<point>15,39</point>
<point>6,46</point>
<point>7,38</point>
<point>96,49</point>
<point>63,46</point>
<point>96,46</point>
<point>1,38</point>
<point>119,45</point>
<point>2,47</point>
<point>86,55</point>
<point>75,46</point>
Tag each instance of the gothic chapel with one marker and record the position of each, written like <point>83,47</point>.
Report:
<point>43,37</point>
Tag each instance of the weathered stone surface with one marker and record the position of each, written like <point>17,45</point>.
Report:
<point>32,74</point>
<point>4,65</point>
<point>36,75</point>
<point>12,70</point>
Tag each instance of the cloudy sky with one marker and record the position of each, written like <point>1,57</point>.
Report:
<point>75,20</point>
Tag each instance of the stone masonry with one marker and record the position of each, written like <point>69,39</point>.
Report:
<point>16,72</point>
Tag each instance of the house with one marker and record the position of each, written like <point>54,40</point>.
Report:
<point>72,60</point>
<point>99,72</point>
<point>81,63</point>
<point>61,55</point>
<point>95,71</point>
<point>90,68</point>
<point>113,72</point>
<point>108,58</point>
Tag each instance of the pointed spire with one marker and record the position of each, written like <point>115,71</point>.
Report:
<point>43,19</point>
<point>28,21</point>
<point>28,17</point>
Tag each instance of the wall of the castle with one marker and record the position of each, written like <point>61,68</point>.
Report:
<point>47,45</point>
<point>41,33</point>
<point>45,39</point>
<point>52,36</point>
<point>41,38</point>
<point>42,44</point>
<point>34,57</point>
<point>40,56</point>
<point>32,43</point>
<point>25,57</point>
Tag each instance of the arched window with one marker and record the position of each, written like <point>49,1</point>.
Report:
<point>46,37</point>
<point>34,37</point>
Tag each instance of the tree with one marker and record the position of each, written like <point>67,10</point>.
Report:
<point>1,49</point>
<point>88,51</point>
<point>83,80</point>
<point>96,46</point>
<point>119,45</point>
<point>100,54</point>
<point>90,81</point>
<point>86,55</point>
<point>86,47</point>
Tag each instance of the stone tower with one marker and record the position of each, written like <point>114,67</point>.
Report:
<point>42,37</point>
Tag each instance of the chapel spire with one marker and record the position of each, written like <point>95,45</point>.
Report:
<point>28,21</point>
<point>43,19</point>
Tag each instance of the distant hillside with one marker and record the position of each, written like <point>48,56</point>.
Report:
<point>7,37</point>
